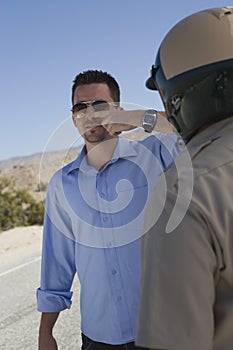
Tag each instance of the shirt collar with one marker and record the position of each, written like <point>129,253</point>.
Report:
<point>210,134</point>
<point>124,149</point>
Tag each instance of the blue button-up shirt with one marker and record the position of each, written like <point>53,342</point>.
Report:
<point>92,225</point>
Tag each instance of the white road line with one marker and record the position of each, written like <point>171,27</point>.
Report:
<point>20,266</point>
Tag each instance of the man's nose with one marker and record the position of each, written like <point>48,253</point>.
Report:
<point>90,112</point>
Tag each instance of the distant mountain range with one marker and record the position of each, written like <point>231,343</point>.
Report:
<point>33,172</point>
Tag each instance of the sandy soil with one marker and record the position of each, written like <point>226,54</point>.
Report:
<point>19,245</point>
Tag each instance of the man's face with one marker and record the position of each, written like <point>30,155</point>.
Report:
<point>89,125</point>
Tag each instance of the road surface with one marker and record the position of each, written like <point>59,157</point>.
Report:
<point>19,320</point>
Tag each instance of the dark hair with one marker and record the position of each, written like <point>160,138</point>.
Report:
<point>97,77</point>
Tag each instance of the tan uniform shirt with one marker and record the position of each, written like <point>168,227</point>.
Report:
<point>187,275</point>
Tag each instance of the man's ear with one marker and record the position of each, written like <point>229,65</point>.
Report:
<point>74,121</point>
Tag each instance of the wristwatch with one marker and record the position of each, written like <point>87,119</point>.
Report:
<point>149,120</point>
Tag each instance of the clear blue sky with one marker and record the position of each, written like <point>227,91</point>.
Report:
<point>45,43</point>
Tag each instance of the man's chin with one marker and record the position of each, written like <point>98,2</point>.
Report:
<point>95,134</point>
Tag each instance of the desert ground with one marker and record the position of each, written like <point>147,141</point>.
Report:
<point>20,257</point>
<point>19,245</point>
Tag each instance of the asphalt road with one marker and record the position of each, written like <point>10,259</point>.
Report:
<point>19,319</point>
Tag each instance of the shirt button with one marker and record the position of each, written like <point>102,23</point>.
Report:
<point>180,142</point>
<point>114,272</point>
<point>119,298</point>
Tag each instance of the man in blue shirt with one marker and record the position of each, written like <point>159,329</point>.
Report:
<point>93,219</point>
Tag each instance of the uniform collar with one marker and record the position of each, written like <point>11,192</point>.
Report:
<point>209,135</point>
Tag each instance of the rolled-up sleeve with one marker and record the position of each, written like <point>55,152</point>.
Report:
<point>58,257</point>
<point>51,301</point>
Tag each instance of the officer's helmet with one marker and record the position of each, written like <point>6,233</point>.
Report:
<point>193,70</point>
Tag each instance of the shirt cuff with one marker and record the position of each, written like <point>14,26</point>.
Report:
<point>53,301</point>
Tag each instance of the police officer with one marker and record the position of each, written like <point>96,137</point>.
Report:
<point>187,271</point>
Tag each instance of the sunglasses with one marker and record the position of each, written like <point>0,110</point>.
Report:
<point>80,108</point>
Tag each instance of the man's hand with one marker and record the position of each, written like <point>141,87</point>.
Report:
<point>117,128</point>
<point>114,121</point>
<point>47,342</point>
<point>117,120</point>
<point>46,339</point>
